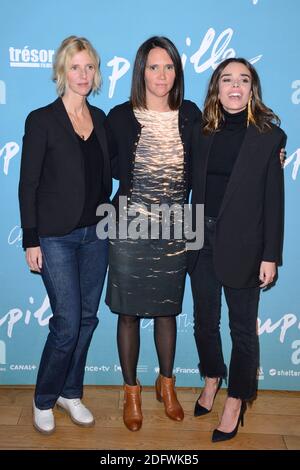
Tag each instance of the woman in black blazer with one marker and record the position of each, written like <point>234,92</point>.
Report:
<point>238,177</point>
<point>150,143</point>
<point>65,175</point>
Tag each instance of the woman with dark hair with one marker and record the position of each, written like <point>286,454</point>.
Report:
<point>242,189</point>
<point>65,175</point>
<point>149,141</point>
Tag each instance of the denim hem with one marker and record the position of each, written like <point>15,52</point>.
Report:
<point>43,408</point>
<point>223,375</point>
<point>248,398</point>
<point>74,397</point>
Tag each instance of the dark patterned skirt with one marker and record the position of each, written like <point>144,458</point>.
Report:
<point>146,277</point>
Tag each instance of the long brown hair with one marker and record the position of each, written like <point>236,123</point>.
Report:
<point>260,115</point>
<point>138,88</point>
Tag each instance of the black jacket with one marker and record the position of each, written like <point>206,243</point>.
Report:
<point>123,133</point>
<point>249,226</point>
<point>52,184</point>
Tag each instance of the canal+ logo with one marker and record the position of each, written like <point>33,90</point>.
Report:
<point>39,58</point>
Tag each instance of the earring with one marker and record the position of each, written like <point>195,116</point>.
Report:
<point>216,116</point>
<point>250,117</point>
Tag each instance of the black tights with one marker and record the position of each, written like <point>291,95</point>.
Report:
<point>128,338</point>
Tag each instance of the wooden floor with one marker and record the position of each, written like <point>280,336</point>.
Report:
<point>273,422</point>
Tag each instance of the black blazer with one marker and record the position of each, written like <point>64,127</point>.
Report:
<point>52,185</point>
<point>249,226</point>
<point>123,133</point>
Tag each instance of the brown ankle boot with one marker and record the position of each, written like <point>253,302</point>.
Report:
<point>166,393</point>
<point>132,412</point>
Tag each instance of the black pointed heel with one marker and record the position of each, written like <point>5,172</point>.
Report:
<point>218,436</point>
<point>200,410</point>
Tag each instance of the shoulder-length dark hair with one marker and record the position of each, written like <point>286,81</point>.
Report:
<point>260,115</point>
<point>138,88</point>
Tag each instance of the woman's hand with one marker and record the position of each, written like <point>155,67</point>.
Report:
<point>34,258</point>
<point>282,157</point>
<point>267,273</point>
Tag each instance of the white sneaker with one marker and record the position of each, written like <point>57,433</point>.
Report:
<point>43,420</point>
<point>79,414</point>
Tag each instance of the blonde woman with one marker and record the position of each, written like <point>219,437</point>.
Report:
<point>65,175</point>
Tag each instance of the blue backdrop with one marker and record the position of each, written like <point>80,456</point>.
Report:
<point>264,31</point>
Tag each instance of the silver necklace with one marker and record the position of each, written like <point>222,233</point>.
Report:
<point>75,125</point>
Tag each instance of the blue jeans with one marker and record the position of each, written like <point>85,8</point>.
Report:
<point>74,268</point>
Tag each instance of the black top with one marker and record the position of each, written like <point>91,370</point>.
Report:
<point>53,180</point>
<point>93,173</point>
<point>249,226</point>
<point>123,133</point>
<point>224,151</point>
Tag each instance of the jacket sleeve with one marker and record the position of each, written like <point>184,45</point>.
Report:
<point>33,154</point>
<point>198,115</point>
<point>112,145</point>
<point>274,207</point>
<point>195,151</point>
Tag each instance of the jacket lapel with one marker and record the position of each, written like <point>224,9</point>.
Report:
<point>101,136</point>
<point>99,130</point>
<point>200,168</point>
<point>242,163</point>
<point>62,116</point>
